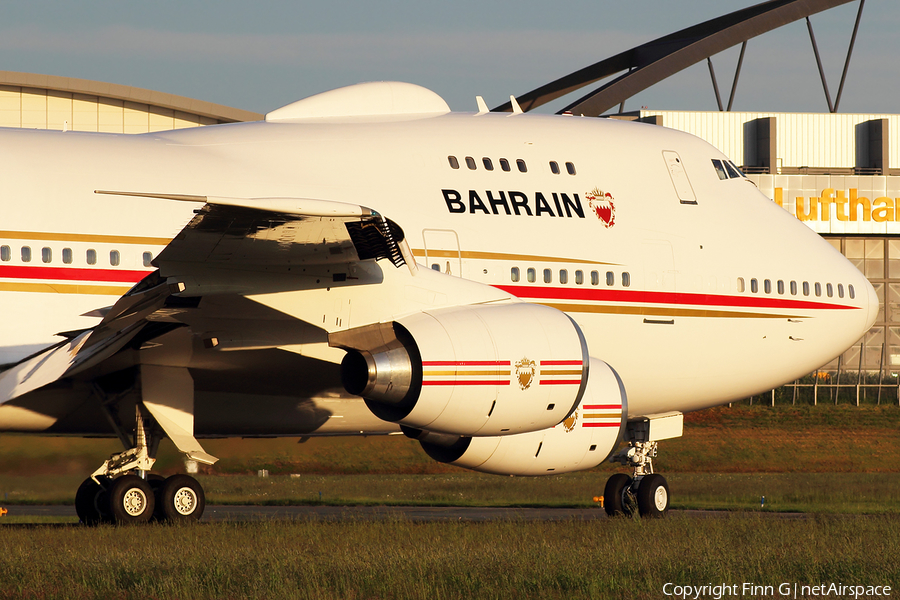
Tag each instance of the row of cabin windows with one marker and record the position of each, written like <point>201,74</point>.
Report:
<point>90,257</point>
<point>779,286</point>
<point>505,166</point>
<point>531,276</point>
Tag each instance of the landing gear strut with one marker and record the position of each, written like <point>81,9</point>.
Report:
<point>123,490</point>
<point>646,491</point>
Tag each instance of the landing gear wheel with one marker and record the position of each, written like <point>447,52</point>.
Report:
<point>130,500</point>
<point>180,498</point>
<point>653,496</point>
<point>86,502</point>
<point>617,495</point>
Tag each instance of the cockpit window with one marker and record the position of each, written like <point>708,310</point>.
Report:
<point>732,170</point>
<point>720,168</point>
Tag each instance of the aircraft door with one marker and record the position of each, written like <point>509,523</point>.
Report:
<point>442,251</point>
<point>659,265</point>
<point>680,180</point>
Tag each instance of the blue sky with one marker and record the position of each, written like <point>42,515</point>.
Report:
<point>262,55</point>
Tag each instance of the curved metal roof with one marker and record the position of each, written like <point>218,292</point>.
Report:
<point>650,63</point>
<point>224,114</point>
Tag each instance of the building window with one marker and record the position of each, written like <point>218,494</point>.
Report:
<point>454,164</point>
<point>91,257</point>
<point>26,254</point>
<point>531,275</point>
<point>514,274</point>
<point>67,256</point>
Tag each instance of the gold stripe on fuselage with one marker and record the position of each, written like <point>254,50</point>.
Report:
<point>64,288</point>
<point>503,256</point>
<point>84,237</point>
<point>652,311</point>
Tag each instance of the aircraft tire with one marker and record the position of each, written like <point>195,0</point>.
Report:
<point>130,500</point>
<point>180,499</point>
<point>614,501</point>
<point>86,502</point>
<point>653,496</point>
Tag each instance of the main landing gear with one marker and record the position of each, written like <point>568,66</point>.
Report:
<point>122,490</point>
<point>646,492</point>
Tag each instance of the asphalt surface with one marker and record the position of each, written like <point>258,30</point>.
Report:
<point>220,513</point>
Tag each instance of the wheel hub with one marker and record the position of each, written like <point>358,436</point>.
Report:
<point>185,501</point>
<point>661,498</point>
<point>134,502</point>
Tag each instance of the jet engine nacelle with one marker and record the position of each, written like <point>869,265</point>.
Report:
<point>584,440</point>
<point>479,370</point>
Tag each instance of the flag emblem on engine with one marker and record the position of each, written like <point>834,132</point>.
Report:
<point>525,373</point>
<point>570,423</point>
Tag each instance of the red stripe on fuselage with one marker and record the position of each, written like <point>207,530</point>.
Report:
<point>465,363</point>
<point>72,274</point>
<point>683,298</point>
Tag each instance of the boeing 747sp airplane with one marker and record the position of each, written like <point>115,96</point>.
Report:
<point>520,293</point>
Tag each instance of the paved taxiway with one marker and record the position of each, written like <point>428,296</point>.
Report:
<point>381,513</point>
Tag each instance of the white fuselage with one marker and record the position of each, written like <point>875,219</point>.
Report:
<point>653,281</point>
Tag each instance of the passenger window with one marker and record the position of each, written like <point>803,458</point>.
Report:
<point>148,259</point>
<point>521,165</point>
<point>114,258</point>
<point>852,292</point>
<point>829,291</point>
<point>5,254</point>
<point>767,286</point>
<point>793,288</point>
<point>570,168</point>
<point>470,162</point>
<point>563,276</point>
<point>740,284</point>
<point>840,290</point>
<point>780,287</point>
<point>67,256</point>
<point>720,169</point>
<point>754,287</point>
<point>504,164</point>
<point>595,278</point>
<point>454,164</point>
<point>610,278</point>
<point>626,279</point>
<point>488,165</point>
<point>514,274</point>
<point>579,277</point>
<point>26,254</point>
<point>531,275</point>
<point>46,255</point>
<point>91,257</point>
<point>818,289</point>
<point>436,267</point>
<point>806,288</point>
<point>548,275</point>
<point>554,167</point>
